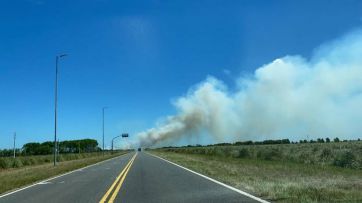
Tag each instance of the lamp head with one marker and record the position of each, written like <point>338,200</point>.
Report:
<point>62,55</point>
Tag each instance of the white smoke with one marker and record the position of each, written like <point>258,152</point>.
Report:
<point>291,97</point>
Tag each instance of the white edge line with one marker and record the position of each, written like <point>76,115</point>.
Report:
<point>52,178</point>
<point>215,181</point>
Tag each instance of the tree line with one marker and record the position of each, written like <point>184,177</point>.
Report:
<point>67,146</point>
<point>268,142</point>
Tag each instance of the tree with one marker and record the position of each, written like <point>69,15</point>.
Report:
<point>67,146</point>
<point>328,140</point>
<point>320,140</point>
<point>285,141</point>
<point>336,139</point>
<point>31,148</point>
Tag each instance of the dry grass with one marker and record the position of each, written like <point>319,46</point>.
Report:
<point>278,181</point>
<point>15,178</point>
<point>342,154</point>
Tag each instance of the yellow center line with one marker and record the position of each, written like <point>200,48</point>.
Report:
<point>115,193</point>
<point>104,198</point>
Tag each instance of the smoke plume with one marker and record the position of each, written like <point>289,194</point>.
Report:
<point>291,97</point>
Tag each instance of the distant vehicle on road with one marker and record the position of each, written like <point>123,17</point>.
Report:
<point>139,149</point>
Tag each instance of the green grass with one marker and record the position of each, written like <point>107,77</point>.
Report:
<point>22,161</point>
<point>13,178</point>
<point>276,178</point>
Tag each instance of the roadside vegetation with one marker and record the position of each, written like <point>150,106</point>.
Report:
<point>346,154</point>
<point>23,161</point>
<point>41,168</point>
<point>67,146</point>
<point>296,172</point>
<point>34,161</point>
<point>41,153</point>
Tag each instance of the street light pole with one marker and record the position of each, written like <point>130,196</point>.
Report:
<point>14,143</point>
<point>56,105</point>
<point>113,141</point>
<point>58,147</point>
<point>103,129</point>
<point>123,135</point>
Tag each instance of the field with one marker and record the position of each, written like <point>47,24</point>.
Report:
<point>35,168</point>
<point>308,172</point>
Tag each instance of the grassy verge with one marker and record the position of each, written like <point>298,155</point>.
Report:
<point>15,178</point>
<point>22,161</point>
<point>341,154</point>
<point>277,181</point>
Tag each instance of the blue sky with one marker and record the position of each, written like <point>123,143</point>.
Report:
<point>137,56</point>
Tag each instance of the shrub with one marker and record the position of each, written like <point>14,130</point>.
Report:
<point>5,163</point>
<point>325,154</point>
<point>47,159</point>
<point>269,154</point>
<point>32,160</point>
<point>243,153</point>
<point>210,151</point>
<point>25,161</point>
<point>17,163</point>
<point>61,158</point>
<point>305,157</point>
<point>221,152</point>
<point>345,159</point>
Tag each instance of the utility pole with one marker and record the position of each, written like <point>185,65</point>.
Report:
<point>56,105</point>
<point>14,143</point>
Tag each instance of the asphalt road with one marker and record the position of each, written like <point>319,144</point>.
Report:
<point>134,177</point>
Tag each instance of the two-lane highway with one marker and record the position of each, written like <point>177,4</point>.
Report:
<point>134,177</point>
<point>86,185</point>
